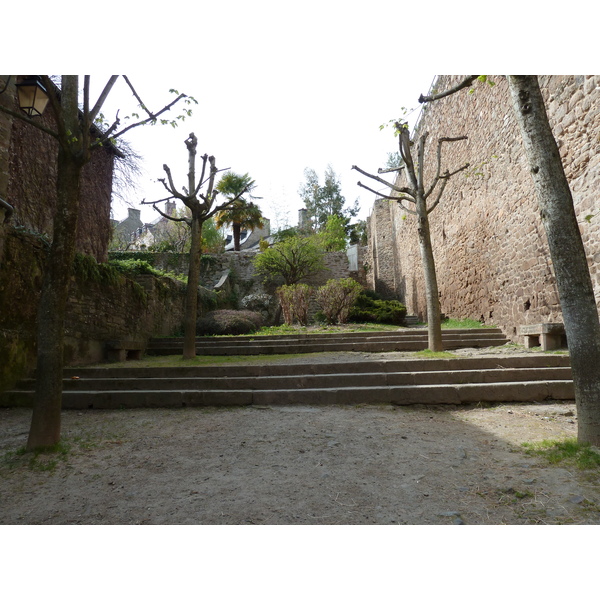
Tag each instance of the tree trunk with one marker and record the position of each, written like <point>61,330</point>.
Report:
<point>434,325</point>
<point>573,280</point>
<point>191,300</point>
<point>237,232</point>
<point>45,422</point>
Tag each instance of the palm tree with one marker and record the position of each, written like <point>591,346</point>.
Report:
<point>242,214</point>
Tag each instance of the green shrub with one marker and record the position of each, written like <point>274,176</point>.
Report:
<point>336,298</point>
<point>135,266</point>
<point>370,308</point>
<point>294,300</point>
<point>229,322</point>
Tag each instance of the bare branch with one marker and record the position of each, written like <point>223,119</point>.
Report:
<point>461,86</point>
<point>406,155</point>
<point>142,105</point>
<point>102,98</point>
<point>171,187</point>
<point>421,158</point>
<point>402,190</point>
<point>144,201</point>
<point>408,210</point>
<point>392,170</point>
<point>398,198</point>
<point>439,196</point>
<point>447,175</point>
<point>179,219</point>
<point>439,160</point>
<point>23,117</point>
<point>149,119</point>
<point>221,207</point>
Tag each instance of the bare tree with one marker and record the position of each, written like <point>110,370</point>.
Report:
<point>573,279</point>
<point>75,144</point>
<point>417,195</point>
<point>202,207</point>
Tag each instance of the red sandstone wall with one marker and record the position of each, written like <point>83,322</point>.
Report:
<point>489,243</point>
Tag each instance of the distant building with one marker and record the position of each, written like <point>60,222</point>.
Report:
<point>249,239</point>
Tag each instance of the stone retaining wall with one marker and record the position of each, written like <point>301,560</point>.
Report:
<point>96,311</point>
<point>489,244</point>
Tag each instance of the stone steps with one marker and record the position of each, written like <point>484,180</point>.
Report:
<point>384,341</point>
<point>402,382</point>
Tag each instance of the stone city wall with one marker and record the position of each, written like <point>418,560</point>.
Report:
<point>489,243</point>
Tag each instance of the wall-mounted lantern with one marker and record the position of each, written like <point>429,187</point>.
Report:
<point>33,96</point>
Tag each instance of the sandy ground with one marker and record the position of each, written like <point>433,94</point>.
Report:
<point>298,465</point>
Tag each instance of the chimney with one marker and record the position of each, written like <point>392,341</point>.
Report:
<point>302,218</point>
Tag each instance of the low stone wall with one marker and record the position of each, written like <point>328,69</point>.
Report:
<point>96,311</point>
<point>241,268</point>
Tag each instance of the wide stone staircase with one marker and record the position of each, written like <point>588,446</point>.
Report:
<point>501,378</point>
<point>381,341</point>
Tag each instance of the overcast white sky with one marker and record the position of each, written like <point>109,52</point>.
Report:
<point>272,123</point>
<point>281,86</point>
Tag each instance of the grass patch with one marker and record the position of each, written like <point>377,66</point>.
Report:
<point>348,328</point>
<point>569,451</point>
<point>431,354</point>
<point>463,324</point>
<point>199,361</point>
<point>42,459</point>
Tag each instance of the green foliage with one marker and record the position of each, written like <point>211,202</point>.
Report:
<point>291,260</point>
<point>213,241</point>
<point>229,322</point>
<point>333,235</point>
<point>394,160</point>
<point>431,354</point>
<point>369,307</point>
<point>358,233</point>
<point>568,451</point>
<point>483,79</point>
<point>294,300</point>
<point>40,459</point>
<point>147,256</point>
<point>322,201</point>
<point>87,269</point>
<point>135,266</point>
<point>336,298</point>
<point>462,324</point>
<point>284,234</point>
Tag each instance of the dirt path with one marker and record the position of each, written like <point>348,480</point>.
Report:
<point>297,465</point>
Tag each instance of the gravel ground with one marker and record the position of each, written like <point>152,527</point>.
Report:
<point>299,465</point>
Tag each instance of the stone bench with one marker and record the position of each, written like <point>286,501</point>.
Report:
<point>121,350</point>
<point>550,336</point>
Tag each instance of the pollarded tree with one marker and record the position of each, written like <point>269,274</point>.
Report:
<point>573,280</point>
<point>199,197</point>
<point>242,214</point>
<point>76,143</point>
<point>418,195</point>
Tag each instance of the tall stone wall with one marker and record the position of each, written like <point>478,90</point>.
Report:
<point>489,243</point>
<point>28,158</point>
